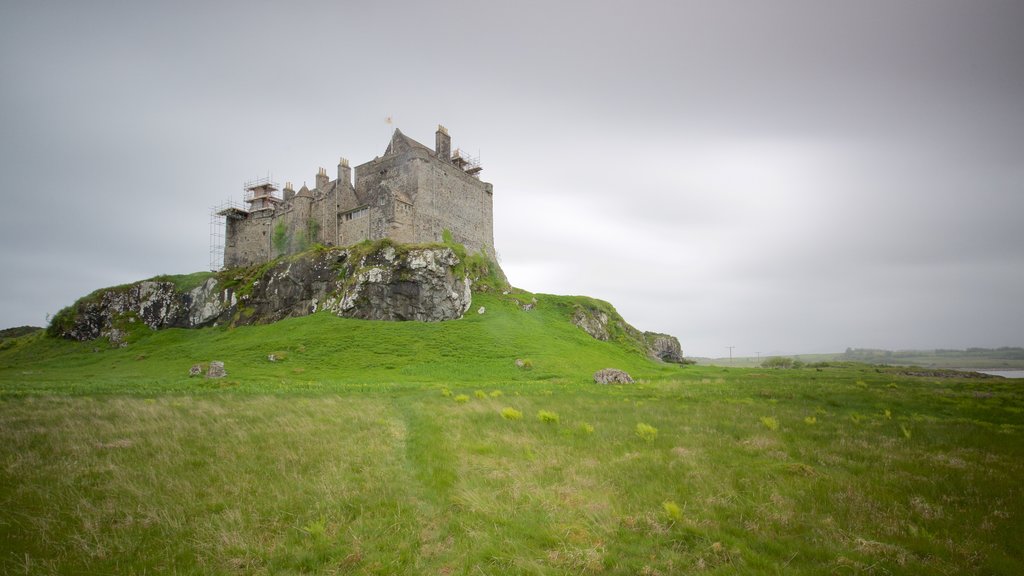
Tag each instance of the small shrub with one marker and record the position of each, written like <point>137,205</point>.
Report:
<point>905,430</point>
<point>888,414</point>
<point>770,423</point>
<point>496,393</point>
<point>810,420</point>
<point>316,528</point>
<point>446,392</point>
<point>462,398</point>
<point>511,414</point>
<point>782,362</point>
<point>646,432</point>
<point>280,238</point>
<point>585,428</point>
<point>547,417</point>
<point>673,511</point>
<point>480,394</point>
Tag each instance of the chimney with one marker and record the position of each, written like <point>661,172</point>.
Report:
<point>443,143</point>
<point>289,191</point>
<point>344,173</point>
<point>321,179</point>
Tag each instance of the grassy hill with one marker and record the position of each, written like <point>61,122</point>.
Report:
<point>323,351</point>
<point>410,448</point>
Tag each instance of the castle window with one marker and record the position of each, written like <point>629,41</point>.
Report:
<point>355,214</point>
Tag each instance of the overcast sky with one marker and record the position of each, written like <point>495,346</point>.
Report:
<point>779,176</point>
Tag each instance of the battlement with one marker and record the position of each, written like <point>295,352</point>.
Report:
<point>411,194</point>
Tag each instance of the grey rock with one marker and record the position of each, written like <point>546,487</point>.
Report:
<point>195,370</point>
<point>593,322</point>
<point>418,285</point>
<point>117,338</point>
<point>216,370</point>
<point>663,347</point>
<point>384,284</point>
<point>612,376</point>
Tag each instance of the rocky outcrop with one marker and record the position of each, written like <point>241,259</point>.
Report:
<point>602,322</point>
<point>418,285</point>
<point>664,347</point>
<point>592,321</point>
<point>155,304</point>
<point>376,282</point>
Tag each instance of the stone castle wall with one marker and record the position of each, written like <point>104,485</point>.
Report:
<point>411,194</point>
<point>450,199</point>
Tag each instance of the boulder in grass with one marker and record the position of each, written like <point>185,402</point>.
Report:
<point>216,370</point>
<point>195,370</point>
<point>612,376</point>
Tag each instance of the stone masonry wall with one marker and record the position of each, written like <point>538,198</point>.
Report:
<point>449,199</point>
<point>409,195</point>
<point>248,241</point>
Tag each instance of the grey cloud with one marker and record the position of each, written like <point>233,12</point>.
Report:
<point>788,176</point>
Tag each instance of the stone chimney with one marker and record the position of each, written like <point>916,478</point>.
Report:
<point>344,173</point>
<point>321,179</point>
<point>443,143</point>
<point>289,191</point>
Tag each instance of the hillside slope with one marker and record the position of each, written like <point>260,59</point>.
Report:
<point>323,351</point>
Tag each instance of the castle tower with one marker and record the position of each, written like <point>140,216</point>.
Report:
<point>442,143</point>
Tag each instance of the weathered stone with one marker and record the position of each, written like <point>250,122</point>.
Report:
<point>411,194</point>
<point>593,322</point>
<point>385,284</point>
<point>481,310</point>
<point>216,370</point>
<point>664,347</point>
<point>117,338</point>
<point>195,370</point>
<point>272,357</point>
<point>520,363</point>
<point>527,307</point>
<point>156,304</point>
<point>612,376</point>
<point>418,285</point>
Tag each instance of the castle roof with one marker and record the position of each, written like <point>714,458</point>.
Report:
<point>400,143</point>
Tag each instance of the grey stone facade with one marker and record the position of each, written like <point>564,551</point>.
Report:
<point>411,194</point>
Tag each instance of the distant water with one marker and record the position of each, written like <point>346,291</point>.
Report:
<point>1004,373</point>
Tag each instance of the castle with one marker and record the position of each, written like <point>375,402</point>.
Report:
<point>411,194</point>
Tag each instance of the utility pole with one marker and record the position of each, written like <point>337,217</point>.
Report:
<point>758,357</point>
<point>730,353</point>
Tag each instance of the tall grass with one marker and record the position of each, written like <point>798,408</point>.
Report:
<point>351,455</point>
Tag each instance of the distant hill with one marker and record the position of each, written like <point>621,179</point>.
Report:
<point>18,331</point>
<point>1006,357</point>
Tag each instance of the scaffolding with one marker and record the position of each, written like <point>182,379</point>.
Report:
<point>218,224</point>
<point>467,163</point>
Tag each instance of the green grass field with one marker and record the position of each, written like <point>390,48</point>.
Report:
<point>384,448</point>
